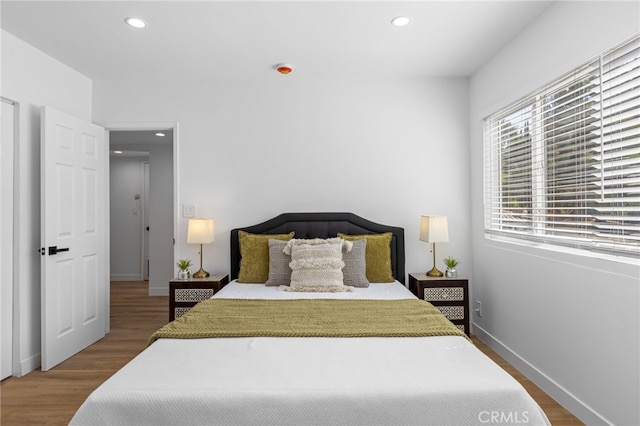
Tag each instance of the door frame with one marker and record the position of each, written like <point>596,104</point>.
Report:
<point>144,244</point>
<point>127,126</point>
<point>14,268</point>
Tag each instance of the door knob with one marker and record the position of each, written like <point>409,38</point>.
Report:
<point>55,250</point>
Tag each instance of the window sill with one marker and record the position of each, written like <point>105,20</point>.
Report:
<point>507,242</point>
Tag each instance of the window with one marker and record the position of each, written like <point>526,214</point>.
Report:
<point>562,165</point>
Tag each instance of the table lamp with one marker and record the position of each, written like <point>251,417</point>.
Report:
<point>434,229</point>
<point>200,231</point>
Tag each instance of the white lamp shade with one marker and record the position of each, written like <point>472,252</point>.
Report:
<point>434,229</point>
<point>200,231</point>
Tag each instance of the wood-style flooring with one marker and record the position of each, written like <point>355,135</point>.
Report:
<point>52,397</point>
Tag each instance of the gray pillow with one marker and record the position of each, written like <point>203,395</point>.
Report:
<point>355,266</point>
<point>279,270</point>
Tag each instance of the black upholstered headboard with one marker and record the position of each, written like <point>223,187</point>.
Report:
<point>323,225</point>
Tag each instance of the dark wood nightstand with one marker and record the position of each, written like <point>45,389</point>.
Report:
<point>449,295</point>
<point>184,294</point>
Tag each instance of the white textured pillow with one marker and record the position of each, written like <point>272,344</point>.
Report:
<point>316,264</point>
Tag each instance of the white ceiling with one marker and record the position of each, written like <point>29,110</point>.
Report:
<point>140,137</point>
<point>134,143</point>
<point>204,40</point>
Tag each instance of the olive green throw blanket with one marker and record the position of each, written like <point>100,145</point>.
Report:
<point>309,318</point>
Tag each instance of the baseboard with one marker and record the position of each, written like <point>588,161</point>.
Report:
<point>126,277</point>
<point>29,364</point>
<point>157,291</point>
<point>563,397</point>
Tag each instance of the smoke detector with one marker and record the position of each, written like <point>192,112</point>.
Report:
<point>284,68</point>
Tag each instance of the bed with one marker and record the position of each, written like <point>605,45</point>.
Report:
<point>375,374</point>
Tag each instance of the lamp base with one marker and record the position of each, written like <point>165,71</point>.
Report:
<point>201,274</point>
<point>432,273</point>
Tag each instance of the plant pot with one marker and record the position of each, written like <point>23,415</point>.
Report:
<point>451,273</point>
<point>183,274</point>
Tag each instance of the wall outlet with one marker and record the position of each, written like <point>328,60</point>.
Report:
<point>478,308</point>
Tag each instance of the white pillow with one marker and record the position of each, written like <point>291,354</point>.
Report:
<point>316,264</point>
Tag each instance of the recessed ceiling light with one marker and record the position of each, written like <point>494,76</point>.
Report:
<point>160,134</point>
<point>400,21</point>
<point>117,152</point>
<point>136,22</point>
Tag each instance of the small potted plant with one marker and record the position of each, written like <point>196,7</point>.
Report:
<point>451,267</point>
<point>183,273</point>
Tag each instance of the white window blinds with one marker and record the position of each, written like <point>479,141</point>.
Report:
<point>562,166</point>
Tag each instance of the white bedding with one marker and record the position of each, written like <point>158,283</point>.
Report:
<point>377,291</point>
<point>295,381</point>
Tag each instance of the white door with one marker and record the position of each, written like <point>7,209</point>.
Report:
<point>73,208</point>
<point>6,239</point>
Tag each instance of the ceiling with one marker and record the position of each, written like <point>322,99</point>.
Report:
<point>140,137</point>
<point>211,40</point>
<point>136,143</point>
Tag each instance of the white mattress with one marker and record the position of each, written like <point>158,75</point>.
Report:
<point>296,381</point>
<point>377,291</point>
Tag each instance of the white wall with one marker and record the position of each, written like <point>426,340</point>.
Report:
<point>34,79</point>
<point>161,219</point>
<point>389,150</point>
<point>125,181</point>
<point>571,323</point>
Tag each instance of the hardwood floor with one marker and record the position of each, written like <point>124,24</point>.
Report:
<point>557,414</point>
<point>53,397</point>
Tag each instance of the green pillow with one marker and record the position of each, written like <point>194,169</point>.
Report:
<point>377,256</point>
<point>254,252</point>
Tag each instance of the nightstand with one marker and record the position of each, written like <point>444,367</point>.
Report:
<point>185,294</point>
<point>449,295</point>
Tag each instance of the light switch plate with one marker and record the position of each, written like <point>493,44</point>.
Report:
<point>189,210</point>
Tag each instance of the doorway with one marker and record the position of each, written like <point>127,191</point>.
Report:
<point>142,194</point>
